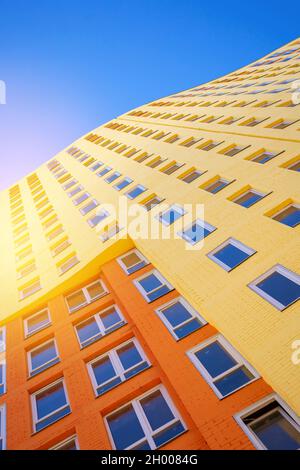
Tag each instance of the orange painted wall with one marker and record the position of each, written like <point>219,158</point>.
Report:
<point>209,420</point>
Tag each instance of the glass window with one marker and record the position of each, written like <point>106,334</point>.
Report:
<point>132,261</point>
<point>135,192</point>
<point>86,295</point>
<point>180,318</point>
<point>2,377</point>
<point>152,286</point>
<point>49,405</point>
<point>221,366</point>
<point>101,324</point>
<point>272,426</point>
<point>295,166</point>
<point>110,232</point>
<point>83,197</point>
<point>42,357</point>
<point>192,176</point>
<point>230,254</point>
<point>279,286</point>
<point>170,216</point>
<point>234,150</point>
<point>146,423</point>
<point>264,157</point>
<point>290,215</point>
<point>68,444</point>
<point>89,207</point>
<point>248,198</point>
<point>116,366</point>
<point>98,218</point>
<point>216,186</point>
<point>122,184</point>
<point>96,166</point>
<point>75,191</point>
<point>112,177</point>
<point>69,184</point>
<point>196,232</point>
<point>103,171</point>
<point>152,202</point>
<point>2,428</point>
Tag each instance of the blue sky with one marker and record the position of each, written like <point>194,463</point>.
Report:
<point>70,65</point>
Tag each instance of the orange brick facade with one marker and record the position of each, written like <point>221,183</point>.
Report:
<point>209,420</point>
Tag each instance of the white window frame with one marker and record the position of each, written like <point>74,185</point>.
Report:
<point>34,406</point>
<point>120,372</point>
<point>107,170</point>
<point>3,426</point>
<point>3,365</point>
<point>288,413</point>
<point>192,311</point>
<point>161,279</point>
<point>237,244</point>
<point>34,372</point>
<point>97,318</point>
<point>77,190</point>
<point>240,361</point>
<point>78,202</point>
<point>284,272</point>
<point>115,175</point>
<point>138,253</point>
<point>97,164</point>
<point>69,185</point>
<point>68,264</point>
<point>219,180</point>
<point>88,299</point>
<point>296,206</point>
<point>26,331</point>
<point>203,224</point>
<point>127,194</point>
<point>94,203</point>
<point>103,213</point>
<point>144,422</point>
<point>173,208</point>
<point>66,442</point>
<point>3,343</point>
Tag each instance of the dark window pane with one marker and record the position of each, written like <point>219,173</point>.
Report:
<point>157,410</point>
<point>42,355</point>
<point>281,288</point>
<point>231,255</point>
<point>50,400</point>
<point>110,318</point>
<point>248,199</point>
<point>215,359</point>
<point>188,328</point>
<point>129,356</point>
<point>150,282</point>
<point>276,432</point>
<point>103,370</point>
<point>234,380</point>
<point>125,428</point>
<point>87,330</point>
<point>176,313</point>
<point>290,216</point>
<point>158,293</point>
<point>168,434</point>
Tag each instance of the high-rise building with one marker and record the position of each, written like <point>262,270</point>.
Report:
<point>110,340</point>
